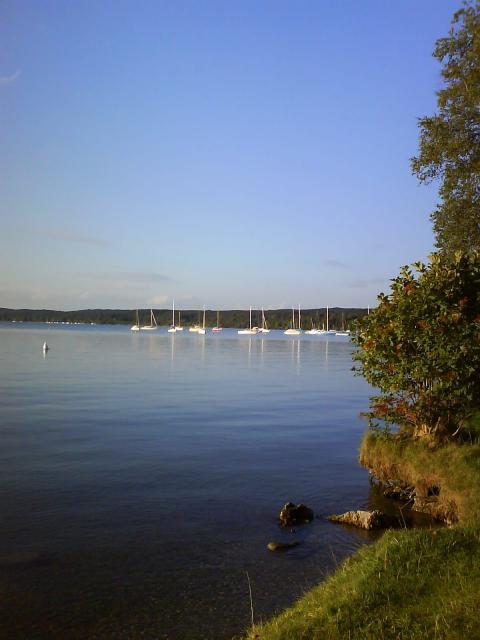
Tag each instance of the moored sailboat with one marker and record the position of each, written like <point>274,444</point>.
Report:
<point>202,330</point>
<point>153,323</point>
<point>328,330</point>
<point>136,326</point>
<point>293,331</point>
<point>173,328</point>
<point>217,328</point>
<point>264,328</point>
<point>251,330</point>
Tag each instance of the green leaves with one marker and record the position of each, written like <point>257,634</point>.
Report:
<point>421,346</point>
<point>449,144</point>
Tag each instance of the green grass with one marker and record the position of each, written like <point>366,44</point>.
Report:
<point>412,584</point>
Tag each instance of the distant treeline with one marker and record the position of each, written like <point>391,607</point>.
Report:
<point>276,319</point>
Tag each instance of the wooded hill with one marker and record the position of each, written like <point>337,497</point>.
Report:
<point>276,319</point>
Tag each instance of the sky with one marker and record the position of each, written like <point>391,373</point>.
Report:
<point>219,153</point>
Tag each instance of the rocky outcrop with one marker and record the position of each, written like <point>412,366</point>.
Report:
<point>365,519</point>
<point>291,514</point>
<point>281,546</point>
<point>396,492</point>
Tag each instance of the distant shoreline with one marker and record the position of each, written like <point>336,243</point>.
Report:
<point>277,318</point>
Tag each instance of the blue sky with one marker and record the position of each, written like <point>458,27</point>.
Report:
<point>220,153</point>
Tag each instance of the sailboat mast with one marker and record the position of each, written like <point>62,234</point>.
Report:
<point>250,317</point>
<point>327,319</point>
<point>299,317</point>
<point>173,314</point>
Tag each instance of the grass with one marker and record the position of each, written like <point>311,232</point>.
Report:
<point>412,584</point>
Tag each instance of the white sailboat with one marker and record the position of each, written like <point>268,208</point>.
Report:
<point>201,330</point>
<point>264,328</point>
<point>251,331</point>
<point>178,326</point>
<point>329,331</point>
<point>153,323</point>
<point>217,328</point>
<point>172,328</point>
<point>293,331</point>
<point>314,331</point>
<point>343,331</point>
<point>195,327</point>
<point>136,326</point>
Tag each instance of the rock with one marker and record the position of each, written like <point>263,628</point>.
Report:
<point>292,514</point>
<point>365,519</point>
<point>395,492</point>
<point>281,546</point>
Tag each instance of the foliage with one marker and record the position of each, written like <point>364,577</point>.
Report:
<point>450,140</point>
<point>421,347</point>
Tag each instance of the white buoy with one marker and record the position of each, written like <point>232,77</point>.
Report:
<point>45,347</point>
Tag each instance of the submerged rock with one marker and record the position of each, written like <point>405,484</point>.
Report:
<point>365,519</point>
<point>281,546</point>
<point>291,514</point>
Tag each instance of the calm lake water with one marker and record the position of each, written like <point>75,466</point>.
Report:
<point>143,473</point>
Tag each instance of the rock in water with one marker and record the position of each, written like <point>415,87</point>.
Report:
<point>292,514</point>
<point>364,519</point>
<point>281,546</point>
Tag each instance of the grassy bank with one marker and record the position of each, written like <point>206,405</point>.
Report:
<point>412,584</point>
<point>452,470</point>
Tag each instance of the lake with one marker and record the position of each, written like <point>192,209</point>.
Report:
<point>143,474</point>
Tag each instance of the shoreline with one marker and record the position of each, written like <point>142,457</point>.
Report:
<point>412,583</point>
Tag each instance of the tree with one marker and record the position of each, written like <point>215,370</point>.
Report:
<point>421,347</point>
<point>450,140</point>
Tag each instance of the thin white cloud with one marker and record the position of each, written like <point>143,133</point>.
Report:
<point>9,79</point>
<point>70,235</point>
<point>135,277</point>
<point>336,264</point>
<point>364,284</point>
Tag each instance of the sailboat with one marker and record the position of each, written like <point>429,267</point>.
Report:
<point>201,330</point>
<point>136,326</point>
<point>313,331</point>
<point>293,331</point>
<point>264,328</point>
<point>153,323</point>
<point>343,331</point>
<point>329,331</point>
<point>178,326</point>
<point>195,327</point>
<point>172,328</point>
<point>217,328</point>
<point>251,330</point>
